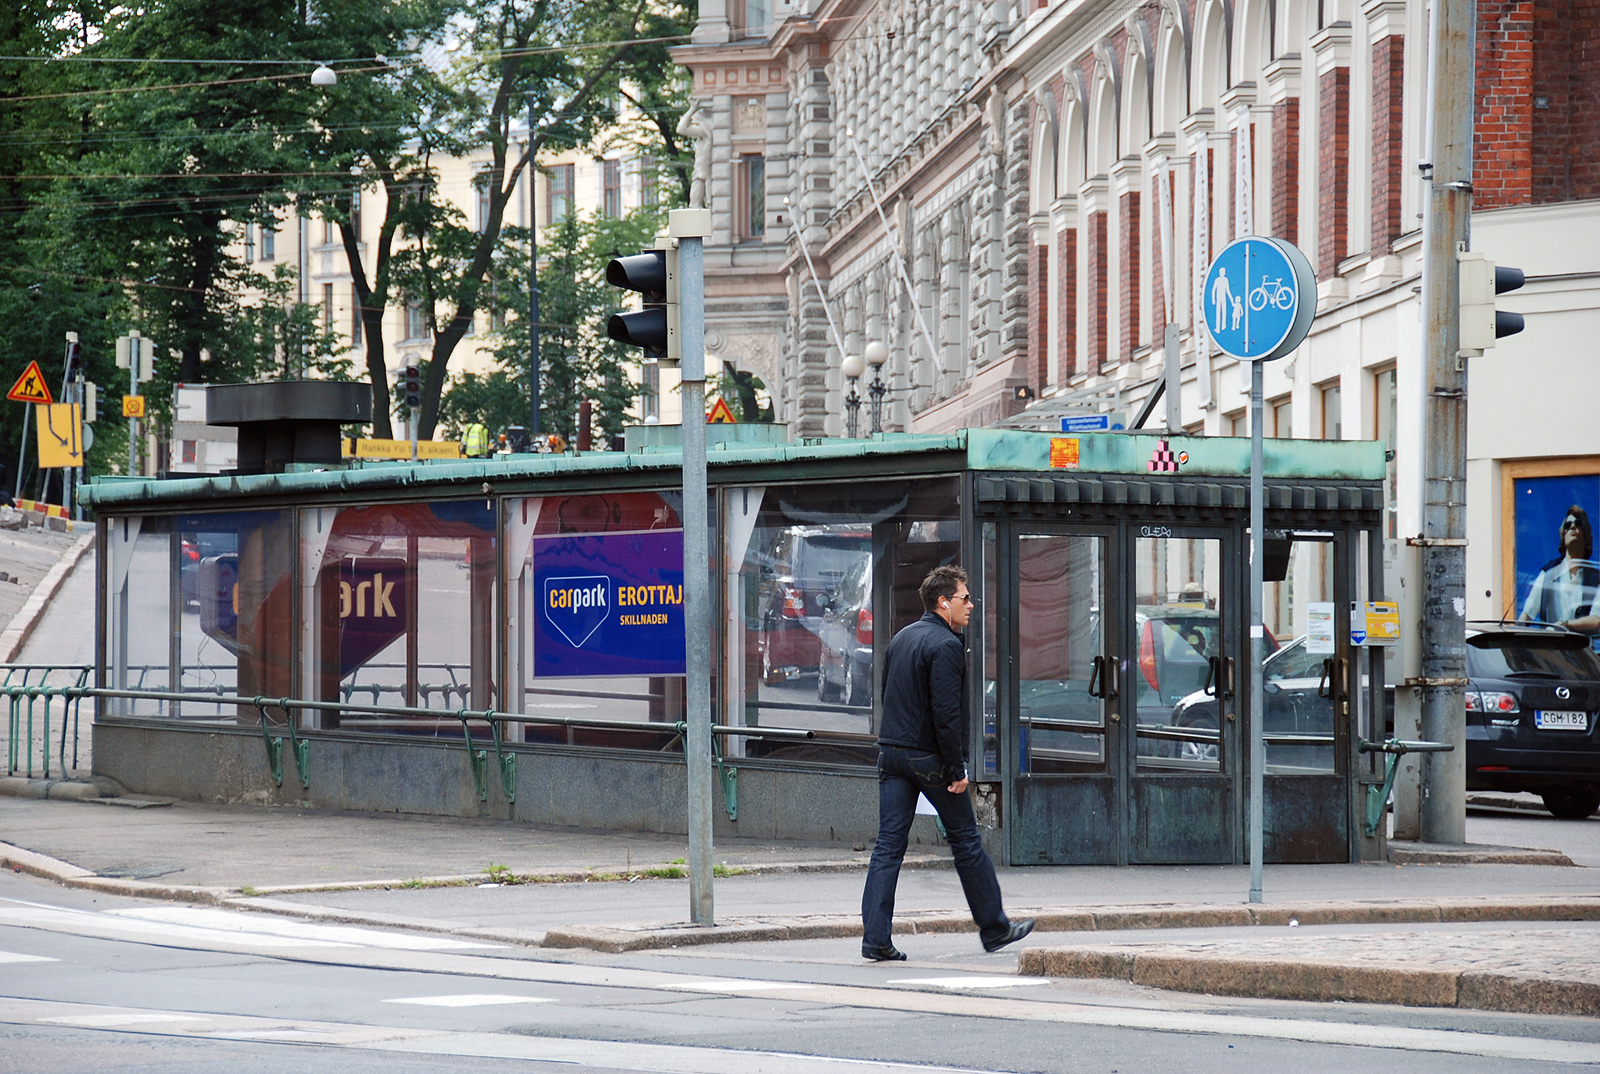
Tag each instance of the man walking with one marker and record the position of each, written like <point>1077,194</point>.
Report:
<point>922,748</point>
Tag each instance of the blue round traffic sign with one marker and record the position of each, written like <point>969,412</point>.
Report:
<point>1260,296</point>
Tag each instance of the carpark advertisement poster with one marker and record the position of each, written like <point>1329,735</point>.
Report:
<point>1557,573</point>
<point>609,604</point>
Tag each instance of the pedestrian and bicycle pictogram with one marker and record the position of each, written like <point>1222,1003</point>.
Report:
<point>1260,296</point>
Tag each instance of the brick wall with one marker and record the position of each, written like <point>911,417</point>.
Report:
<point>1097,286</point>
<point>1067,260</point>
<point>1333,170</point>
<point>1388,76</point>
<point>1129,265</point>
<point>1039,315</point>
<point>1502,163</point>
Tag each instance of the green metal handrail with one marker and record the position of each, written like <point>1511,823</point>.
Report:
<point>477,759</point>
<point>34,688</point>
<point>1396,748</point>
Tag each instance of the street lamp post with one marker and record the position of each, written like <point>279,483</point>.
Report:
<point>852,368</point>
<point>876,354</point>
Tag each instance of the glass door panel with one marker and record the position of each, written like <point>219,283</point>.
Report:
<point>1061,666</point>
<point>1301,673</point>
<point>1181,665</point>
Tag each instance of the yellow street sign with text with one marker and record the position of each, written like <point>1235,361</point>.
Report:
<point>133,406</point>
<point>60,434</point>
<point>401,449</point>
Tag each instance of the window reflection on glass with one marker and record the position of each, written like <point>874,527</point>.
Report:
<point>825,580</point>
<point>202,604</point>
<point>989,596</point>
<point>1178,669</point>
<point>400,610</point>
<point>1060,659</point>
<point>615,536</point>
<point>1299,701</point>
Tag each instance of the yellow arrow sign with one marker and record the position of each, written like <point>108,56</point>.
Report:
<point>60,435</point>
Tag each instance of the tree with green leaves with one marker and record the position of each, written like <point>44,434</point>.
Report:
<point>562,63</point>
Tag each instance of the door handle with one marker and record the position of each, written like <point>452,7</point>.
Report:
<point>1097,676</point>
<point>1227,678</point>
<point>1114,665</point>
<point>1324,689</point>
<point>1213,676</point>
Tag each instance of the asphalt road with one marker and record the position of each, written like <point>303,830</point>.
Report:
<point>118,985</point>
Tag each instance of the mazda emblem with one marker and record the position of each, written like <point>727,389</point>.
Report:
<point>1563,693</point>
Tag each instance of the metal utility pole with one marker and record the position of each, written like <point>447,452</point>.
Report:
<point>133,389</point>
<point>1258,696</point>
<point>1441,547</point>
<point>533,283</point>
<point>690,227</point>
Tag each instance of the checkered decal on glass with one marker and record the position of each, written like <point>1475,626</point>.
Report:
<point>1162,461</point>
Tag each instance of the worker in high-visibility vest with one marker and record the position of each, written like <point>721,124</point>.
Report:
<point>475,441</point>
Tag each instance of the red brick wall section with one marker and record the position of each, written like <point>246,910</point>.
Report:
<point>1388,74</point>
<point>1565,100</point>
<point>1039,315</point>
<point>1097,285</point>
<point>1286,169</point>
<point>1129,266</point>
<point>1502,151</point>
<point>1158,285</point>
<point>1333,170</point>
<point>1067,245</point>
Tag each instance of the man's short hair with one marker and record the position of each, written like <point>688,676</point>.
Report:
<point>940,582</point>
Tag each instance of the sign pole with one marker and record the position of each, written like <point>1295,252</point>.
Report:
<point>1258,749</point>
<point>133,423</point>
<point>689,227</point>
<point>22,450</point>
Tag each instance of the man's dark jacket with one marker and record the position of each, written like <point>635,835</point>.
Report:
<point>924,693</point>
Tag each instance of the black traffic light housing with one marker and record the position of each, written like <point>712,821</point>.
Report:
<point>1481,280</point>
<point>411,384</point>
<point>654,326</point>
<point>74,361</point>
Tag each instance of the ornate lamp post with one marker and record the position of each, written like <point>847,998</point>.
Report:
<point>876,354</point>
<point>852,367</point>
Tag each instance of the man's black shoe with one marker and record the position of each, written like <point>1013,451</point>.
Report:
<point>1017,931</point>
<point>889,952</point>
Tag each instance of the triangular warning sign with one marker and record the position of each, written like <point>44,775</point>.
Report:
<point>30,387</point>
<point>721,414</point>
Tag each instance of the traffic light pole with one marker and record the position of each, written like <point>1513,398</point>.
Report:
<point>689,227</point>
<point>533,286</point>
<point>1441,546</point>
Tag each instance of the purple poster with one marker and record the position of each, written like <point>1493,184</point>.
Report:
<point>608,604</point>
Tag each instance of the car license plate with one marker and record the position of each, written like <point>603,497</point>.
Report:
<point>1559,720</point>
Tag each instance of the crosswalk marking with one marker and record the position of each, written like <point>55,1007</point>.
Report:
<point>973,982</point>
<point>486,999</point>
<point>12,956</point>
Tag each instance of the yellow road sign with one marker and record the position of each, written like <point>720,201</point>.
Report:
<point>60,434</point>
<point>721,414</point>
<point>401,449</point>
<point>133,406</point>
<point>30,387</point>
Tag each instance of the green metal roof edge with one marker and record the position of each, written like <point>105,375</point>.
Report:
<point>114,492</point>
<point>984,449</point>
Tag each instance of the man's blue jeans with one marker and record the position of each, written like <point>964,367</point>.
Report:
<point>902,774</point>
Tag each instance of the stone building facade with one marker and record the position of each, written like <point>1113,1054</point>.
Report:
<point>1055,176</point>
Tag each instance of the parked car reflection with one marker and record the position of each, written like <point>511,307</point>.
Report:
<point>845,669</point>
<point>800,572</point>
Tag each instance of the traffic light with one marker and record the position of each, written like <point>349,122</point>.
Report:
<point>1481,281</point>
<point>654,327</point>
<point>74,358</point>
<point>411,384</point>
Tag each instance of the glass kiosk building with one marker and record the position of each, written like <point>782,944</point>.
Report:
<point>1108,684</point>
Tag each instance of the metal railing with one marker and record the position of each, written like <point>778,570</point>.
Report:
<point>496,722</point>
<point>1396,748</point>
<point>32,690</point>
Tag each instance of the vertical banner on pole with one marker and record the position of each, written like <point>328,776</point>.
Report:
<point>1201,248</point>
<point>1169,258</point>
<point>1243,181</point>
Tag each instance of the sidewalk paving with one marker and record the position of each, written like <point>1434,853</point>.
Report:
<point>540,886</point>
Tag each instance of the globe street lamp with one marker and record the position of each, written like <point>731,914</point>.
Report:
<point>876,354</point>
<point>852,367</point>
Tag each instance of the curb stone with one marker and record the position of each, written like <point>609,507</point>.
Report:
<point>1317,980</point>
